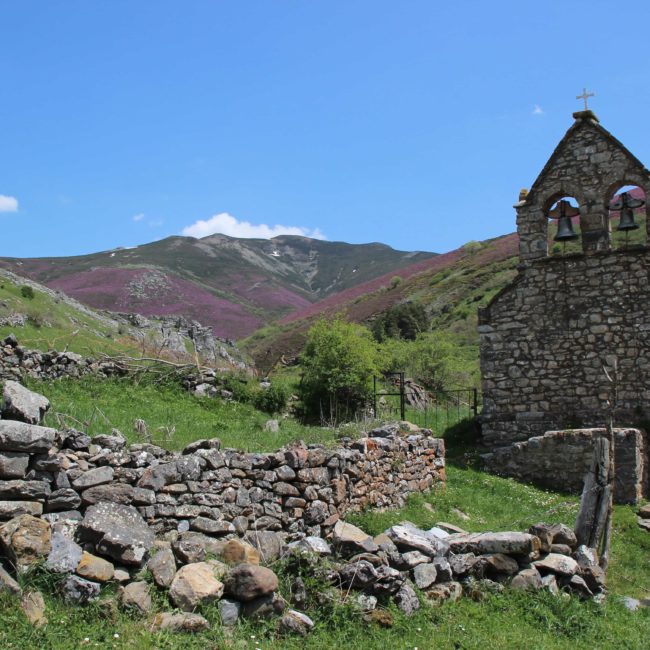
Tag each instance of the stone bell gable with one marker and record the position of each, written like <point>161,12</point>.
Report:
<point>589,164</point>
<point>572,331</point>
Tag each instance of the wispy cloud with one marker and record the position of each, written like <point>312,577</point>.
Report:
<point>155,223</point>
<point>8,203</point>
<point>537,110</point>
<point>226,224</point>
<point>138,217</point>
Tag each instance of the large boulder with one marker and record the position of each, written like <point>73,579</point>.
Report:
<point>196,584</point>
<point>24,540</point>
<point>118,531</point>
<point>20,403</point>
<point>30,438</point>
<point>247,582</point>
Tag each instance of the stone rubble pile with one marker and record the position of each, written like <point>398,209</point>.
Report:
<point>16,361</point>
<point>203,523</point>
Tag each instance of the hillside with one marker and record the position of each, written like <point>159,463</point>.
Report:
<point>233,285</point>
<point>46,319</point>
<point>451,287</point>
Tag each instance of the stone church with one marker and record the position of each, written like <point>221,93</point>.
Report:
<point>567,343</point>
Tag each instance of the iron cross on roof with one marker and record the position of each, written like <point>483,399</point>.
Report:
<point>585,95</point>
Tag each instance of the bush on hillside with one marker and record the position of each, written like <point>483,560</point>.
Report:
<point>435,360</point>
<point>273,399</point>
<point>27,292</point>
<point>338,361</point>
<point>403,321</point>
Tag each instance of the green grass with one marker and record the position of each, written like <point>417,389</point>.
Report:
<point>508,620</point>
<point>174,417</point>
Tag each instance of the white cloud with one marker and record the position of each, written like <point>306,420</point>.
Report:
<point>138,217</point>
<point>226,224</point>
<point>8,203</point>
<point>537,110</point>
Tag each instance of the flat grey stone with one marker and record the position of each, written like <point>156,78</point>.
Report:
<point>20,403</point>
<point>230,611</point>
<point>163,567</point>
<point>24,490</point>
<point>508,543</point>
<point>20,436</point>
<point>11,509</point>
<point>424,575</point>
<point>93,477</point>
<point>559,564</point>
<point>13,464</point>
<point>117,531</point>
<point>78,590</point>
<point>64,555</point>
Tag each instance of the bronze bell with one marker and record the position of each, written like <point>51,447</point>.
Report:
<point>626,204</point>
<point>564,212</point>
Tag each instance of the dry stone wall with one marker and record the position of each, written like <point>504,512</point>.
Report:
<point>300,489</point>
<point>559,460</point>
<point>96,512</point>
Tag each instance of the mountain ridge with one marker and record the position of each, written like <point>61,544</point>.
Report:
<point>234,285</point>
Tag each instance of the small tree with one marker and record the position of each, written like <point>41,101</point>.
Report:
<point>338,362</point>
<point>27,292</point>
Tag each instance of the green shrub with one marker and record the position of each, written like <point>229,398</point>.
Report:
<point>403,321</point>
<point>338,361</point>
<point>27,292</point>
<point>273,399</point>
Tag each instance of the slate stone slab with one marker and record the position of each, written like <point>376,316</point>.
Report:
<point>20,403</point>
<point>13,465</point>
<point>118,531</point>
<point>20,436</point>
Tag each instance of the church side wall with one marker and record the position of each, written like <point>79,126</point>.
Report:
<point>546,338</point>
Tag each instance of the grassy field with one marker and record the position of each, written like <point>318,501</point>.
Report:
<point>173,416</point>
<point>471,499</point>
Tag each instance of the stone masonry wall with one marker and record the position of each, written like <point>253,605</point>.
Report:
<point>546,339</point>
<point>560,460</point>
<point>300,489</point>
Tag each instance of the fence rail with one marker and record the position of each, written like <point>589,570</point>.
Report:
<point>395,396</point>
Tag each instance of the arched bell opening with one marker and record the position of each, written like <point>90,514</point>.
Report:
<point>563,217</point>
<point>628,217</point>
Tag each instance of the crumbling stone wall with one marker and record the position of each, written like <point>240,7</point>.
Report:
<point>300,489</point>
<point>559,460</point>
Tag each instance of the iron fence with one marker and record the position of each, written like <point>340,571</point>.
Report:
<point>396,397</point>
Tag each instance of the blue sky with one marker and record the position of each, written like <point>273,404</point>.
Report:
<point>414,123</point>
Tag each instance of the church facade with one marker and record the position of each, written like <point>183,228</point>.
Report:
<point>567,344</point>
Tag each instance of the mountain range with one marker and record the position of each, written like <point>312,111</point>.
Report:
<point>233,285</point>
